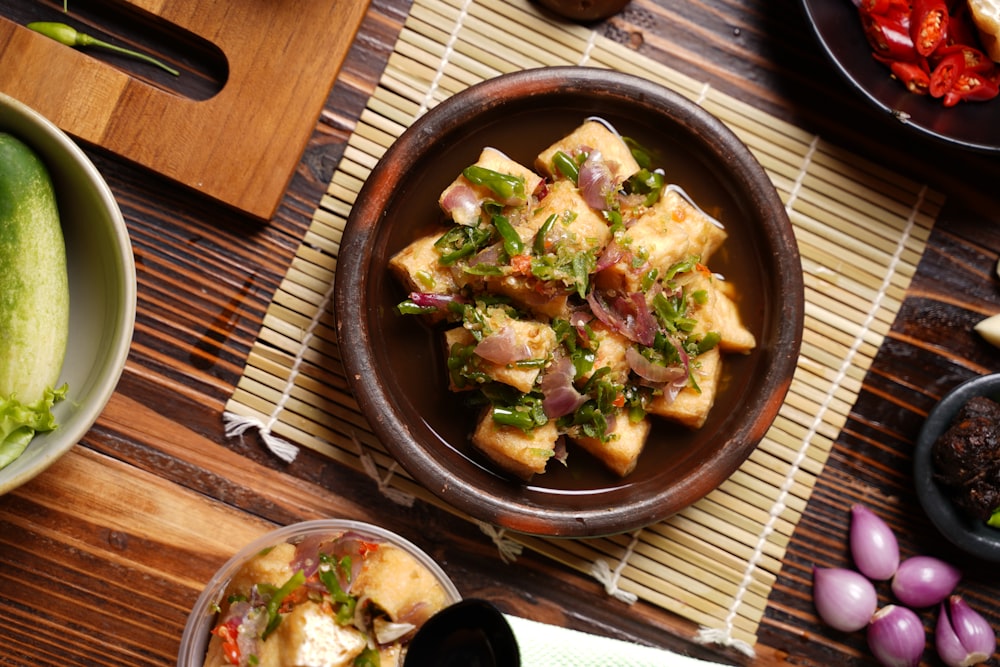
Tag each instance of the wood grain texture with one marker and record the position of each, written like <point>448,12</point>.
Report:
<point>89,577</point>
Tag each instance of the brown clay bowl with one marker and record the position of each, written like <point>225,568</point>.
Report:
<point>395,365</point>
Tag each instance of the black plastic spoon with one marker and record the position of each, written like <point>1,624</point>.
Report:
<point>469,633</point>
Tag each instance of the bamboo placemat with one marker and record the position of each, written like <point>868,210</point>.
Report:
<point>861,232</point>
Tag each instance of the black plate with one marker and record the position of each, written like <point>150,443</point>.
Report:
<point>969,124</point>
<point>967,533</point>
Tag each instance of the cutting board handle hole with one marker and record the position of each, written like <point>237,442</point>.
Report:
<point>204,68</point>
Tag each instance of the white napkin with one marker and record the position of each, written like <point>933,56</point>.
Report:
<point>544,645</point>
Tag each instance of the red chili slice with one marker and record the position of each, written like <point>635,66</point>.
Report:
<point>945,75</point>
<point>889,36</point>
<point>971,87</point>
<point>928,25</point>
<point>911,75</point>
<point>974,59</point>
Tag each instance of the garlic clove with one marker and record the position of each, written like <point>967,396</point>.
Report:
<point>989,329</point>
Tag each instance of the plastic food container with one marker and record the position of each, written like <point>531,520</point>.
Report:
<point>196,637</point>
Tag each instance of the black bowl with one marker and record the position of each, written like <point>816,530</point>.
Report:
<point>967,533</point>
<point>971,125</point>
<point>396,367</point>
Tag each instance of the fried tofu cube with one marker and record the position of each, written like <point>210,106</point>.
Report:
<point>395,581</point>
<point>311,637</point>
<point>672,230</point>
<point>463,200</point>
<point>535,338</point>
<point>269,567</point>
<point>691,405</point>
<point>524,292</point>
<point>418,269</point>
<point>610,352</point>
<point>620,452</point>
<point>516,451</point>
<point>719,313</point>
<point>589,137</point>
<point>577,227</point>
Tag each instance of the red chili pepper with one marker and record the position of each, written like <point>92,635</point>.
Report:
<point>974,59</point>
<point>945,75</point>
<point>883,6</point>
<point>889,36</point>
<point>971,87</point>
<point>961,28</point>
<point>928,25</point>
<point>911,75</point>
<point>228,633</point>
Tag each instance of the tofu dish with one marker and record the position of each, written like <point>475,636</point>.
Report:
<point>335,601</point>
<point>576,302</point>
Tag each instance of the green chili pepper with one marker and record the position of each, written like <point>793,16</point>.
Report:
<point>507,187</point>
<point>512,243</point>
<point>277,597</point>
<point>566,166</point>
<point>508,416</point>
<point>461,241</point>
<point>539,245</point>
<point>70,36</point>
<point>646,182</point>
<point>710,340</point>
<point>639,152</point>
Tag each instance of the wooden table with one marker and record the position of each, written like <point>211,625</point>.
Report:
<point>102,556</point>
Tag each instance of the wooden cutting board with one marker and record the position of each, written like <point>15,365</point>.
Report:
<point>239,146</point>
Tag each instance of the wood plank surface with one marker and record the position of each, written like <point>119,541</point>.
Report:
<point>102,555</point>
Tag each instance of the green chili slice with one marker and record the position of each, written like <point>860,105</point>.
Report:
<point>566,166</point>
<point>277,597</point>
<point>512,243</point>
<point>507,187</point>
<point>539,245</point>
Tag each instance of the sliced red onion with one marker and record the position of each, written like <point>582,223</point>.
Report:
<point>650,371</point>
<point>962,636</point>
<point>502,347</point>
<point>844,599</point>
<point>461,203</point>
<point>924,581</point>
<point>560,396</point>
<point>611,255</point>
<point>873,544</point>
<point>431,300</point>
<point>387,632</point>
<point>595,181</point>
<point>896,637</point>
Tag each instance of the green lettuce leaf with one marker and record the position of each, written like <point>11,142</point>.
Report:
<point>994,519</point>
<point>19,422</point>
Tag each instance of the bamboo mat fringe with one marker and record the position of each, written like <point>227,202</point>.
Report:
<point>861,231</point>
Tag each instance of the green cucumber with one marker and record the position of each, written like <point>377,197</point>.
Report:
<point>34,297</point>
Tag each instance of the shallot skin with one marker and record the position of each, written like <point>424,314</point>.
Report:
<point>844,599</point>
<point>924,581</point>
<point>896,637</point>
<point>873,544</point>
<point>962,636</point>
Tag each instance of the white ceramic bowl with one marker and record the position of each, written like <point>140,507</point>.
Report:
<point>101,283</point>
<point>194,641</point>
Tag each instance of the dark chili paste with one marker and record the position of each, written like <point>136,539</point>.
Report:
<point>966,458</point>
